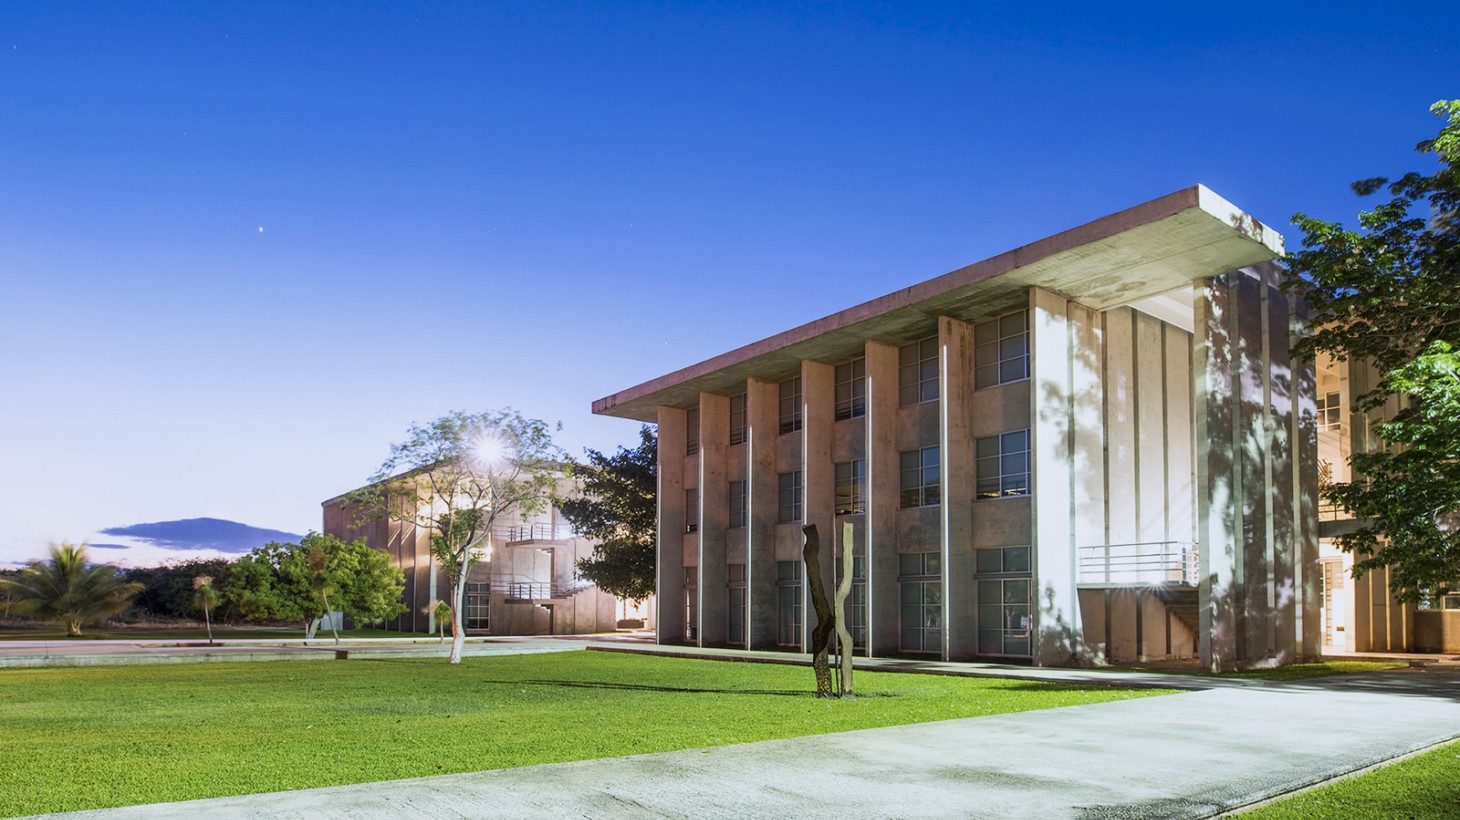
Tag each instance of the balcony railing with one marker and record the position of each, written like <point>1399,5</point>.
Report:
<point>1146,562</point>
<point>543,590</point>
<point>514,533</point>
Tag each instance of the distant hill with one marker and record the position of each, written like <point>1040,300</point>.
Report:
<point>197,534</point>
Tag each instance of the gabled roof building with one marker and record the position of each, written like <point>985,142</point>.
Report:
<point>1094,448</point>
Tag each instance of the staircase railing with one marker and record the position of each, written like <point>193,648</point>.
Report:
<point>1143,562</point>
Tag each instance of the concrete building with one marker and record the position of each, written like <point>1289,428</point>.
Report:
<point>1361,614</point>
<point>527,584</point>
<point>1095,448</point>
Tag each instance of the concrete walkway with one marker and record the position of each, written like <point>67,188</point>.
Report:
<point>1194,754</point>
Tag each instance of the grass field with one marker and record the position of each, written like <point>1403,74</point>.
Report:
<point>51,632</point>
<point>1421,787</point>
<point>110,736</point>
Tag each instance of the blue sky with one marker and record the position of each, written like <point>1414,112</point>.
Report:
<point>242,247</point>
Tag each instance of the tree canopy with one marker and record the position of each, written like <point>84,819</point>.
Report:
<point>1389,295</point>
<point>320,574</point>
<point>614,505</point>
<point>68,589</point>
<point>456,478</point>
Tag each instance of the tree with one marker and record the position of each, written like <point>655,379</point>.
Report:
<point>309,580</point>
<point>167,590</point>
<point>615,507</point>
<point>456,478</point>
<point>1386,296</point>
<point>68,590</point>
<point>205,598</point>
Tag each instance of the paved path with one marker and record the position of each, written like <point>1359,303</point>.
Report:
<point>1194,754</point>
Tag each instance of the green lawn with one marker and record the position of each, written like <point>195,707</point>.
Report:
<point>51,632</point>
<point>92,737</point>
<point>1420,787</point>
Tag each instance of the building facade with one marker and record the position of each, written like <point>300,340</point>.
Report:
<point>1362,614</point>
<point>526,584</point>
<point>1095,448</point>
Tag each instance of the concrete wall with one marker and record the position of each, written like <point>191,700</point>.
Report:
<point>1256,508</point>
<point>1437,631</point>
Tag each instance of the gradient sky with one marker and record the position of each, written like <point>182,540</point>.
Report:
<point>243,246</point>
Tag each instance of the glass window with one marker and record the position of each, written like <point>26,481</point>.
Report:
<point>790,496</point>
<point>917,371</point>
<point>737,504</point>
<point>790,405</point>
<point>691,603</point>
<point>737,418</point>
<point>692,431</point>
<point>788,604</point>
<point>1003,465</point>
<point>478,605</point>
<point>692,510</point>
<point>851,389</point>
<point>919,484</point>
<point>736,603</point>
<point>851,487</point>
<point>1001,350</point>
<point>1004,618</point>
<point>1001,560</point>
<point>1329,411</point>
<point>922,601</point>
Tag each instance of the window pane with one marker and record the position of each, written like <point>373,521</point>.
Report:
<point>991,642</point>
<point>988,447</point>
<point>933,563</point>
<point>985,332</point>
<point>1012,370</point>
<point>1016,559</point>
<point>1016,592</point>
<point>1012,324</point>
<point>987,561</point>
<point>909,564</point>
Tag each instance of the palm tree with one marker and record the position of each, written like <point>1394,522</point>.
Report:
<point>205,598</point>
<point>66,590</point>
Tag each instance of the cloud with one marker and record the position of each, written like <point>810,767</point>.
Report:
<point>197,534</point>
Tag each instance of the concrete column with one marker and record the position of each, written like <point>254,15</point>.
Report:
<point>1255,555</point>
<point>882,498</point>
<point>761,398</point>
<point>1303,423</point>
<point>956,467</point>
<point>669,593</point>
<point>818,477</point>
<point>1252,450</point>
<point>1057,632</point>
<point>714,519</point>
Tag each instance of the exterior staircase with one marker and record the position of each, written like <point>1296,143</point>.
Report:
<point>1182,601</point>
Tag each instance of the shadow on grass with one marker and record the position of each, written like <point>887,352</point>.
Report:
<point>644,687</point>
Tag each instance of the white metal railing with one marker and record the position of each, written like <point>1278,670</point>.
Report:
<point>513,533</point>
<point>1145,562</point>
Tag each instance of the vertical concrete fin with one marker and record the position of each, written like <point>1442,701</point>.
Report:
<point>1057,633</point>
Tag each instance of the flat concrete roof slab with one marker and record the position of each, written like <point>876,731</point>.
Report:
<point>1140,252</point>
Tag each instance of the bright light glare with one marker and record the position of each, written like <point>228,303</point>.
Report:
<point>487,450</point>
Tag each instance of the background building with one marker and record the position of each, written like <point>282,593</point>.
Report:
<point>1361,614</point>
<point>1094,448</point>
<point>527,585</point>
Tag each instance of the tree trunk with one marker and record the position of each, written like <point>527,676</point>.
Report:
<point>73,627</point>
<point>311,626</point>
<point>844,635</point>
<point>208,621</point>
<point>458,592</point>
<point>825,618</point>
<point>328,613</point>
